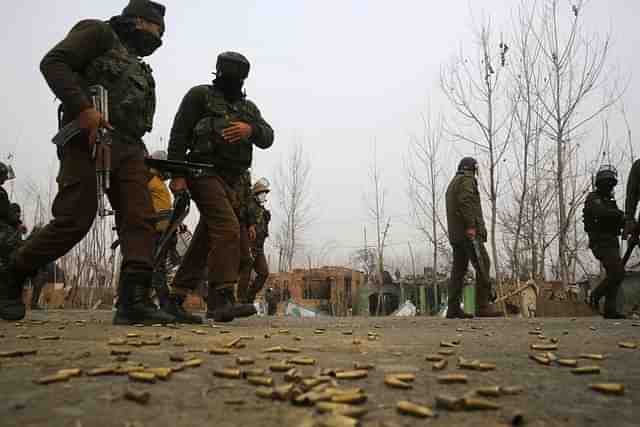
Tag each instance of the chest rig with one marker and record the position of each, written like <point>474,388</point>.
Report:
<point>131,87</point>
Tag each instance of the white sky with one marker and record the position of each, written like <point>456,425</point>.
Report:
<point>334,75</point>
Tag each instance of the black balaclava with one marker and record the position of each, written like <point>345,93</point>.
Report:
<point>232,69</point>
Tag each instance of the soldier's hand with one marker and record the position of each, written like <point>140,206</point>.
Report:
<point>630,226</point>
<point>471,233</point>
<point>91,120</point>
<point>251,232</point>
<point>177,184</point>
<point>237,132</point>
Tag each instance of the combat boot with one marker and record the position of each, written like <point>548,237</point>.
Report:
<point>483,307</point>
<point>611,306</point>
<point>455,312</point>
<point>220,304</point>
<point>12,306</point>
<point>175,308</point>
<point>134,303</point>
<point>595,297</point>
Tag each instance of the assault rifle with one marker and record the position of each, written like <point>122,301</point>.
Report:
<point>632,242</point>
<point>101,149</point>
<point>182,199</point>
<point>477,261</point>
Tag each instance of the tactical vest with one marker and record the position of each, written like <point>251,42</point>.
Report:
<point>208,145</point>
<point>595,224</point>
<point>131,88</point>
<point>263,216</point>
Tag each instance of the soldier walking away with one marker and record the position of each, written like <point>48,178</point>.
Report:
<point>107,54</point>
<point>258,259</point>
<point>162,205</point>
<point>603,222</point>
<point>216,124</point>
<point>11,304</point>
<point>467,235</point>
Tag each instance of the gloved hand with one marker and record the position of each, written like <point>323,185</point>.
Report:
<point>630,226</point>
<point>471,233</point>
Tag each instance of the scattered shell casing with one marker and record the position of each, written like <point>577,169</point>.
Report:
<point>409,408</point>
<point>262,381</point>
<point>254,372</point>
<point>283,331</point>
<point>347,332</point>
<point>394,382</point>
<point>50,379</point>
<point>551,356</point>
<point>145,377</point>
<point>336,420</point>
<point>120,352</point>
<point>567,362</point>
<point>231,373</point>
<point>117,341</point>
<point>276,349</point>
<point>408,377</point>
<point>18,353</point>
<point>453,379</point>
<point>544,347</point>
<point>291,350</point>
<point>199,332</point>
<point>491,391</point>
<point>439,366</point>
<point>586,370</point>
<point>71,372</point>
<point>447,344</point>
<point>104,370</point>
<point>161,373</point>
<point>243,361</point>
<point>141,397</point>
<point>447,352</point>
<point>192,363</point>
<point>592,356</point>
<point>362,365</point>
<point>133,335</point>
<point>233,342</point>
<point>540,359</point>
<point>352,375</point>
<point>608,388</point>
<point>450,403</point>
<point>49,338</point>
<point>341,408</point>
<point>484,366</point>
<point>283,392</point>
<point>306,361</point>
<point>219,351</point>
<point>433,358</point>
<point>480,404</point>
<point>150,342</point>
<point>511,390</point>
<point>265,392</point>
<point>292,375</point>
<point>627,344</point>
<point>349,398</point>
<point>177,357</point>
<point>310,398</point>
<point>280,367</point>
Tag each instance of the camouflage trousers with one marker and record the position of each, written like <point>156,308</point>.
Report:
<point>10,240</point>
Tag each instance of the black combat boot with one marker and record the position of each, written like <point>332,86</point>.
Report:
<point>12,306</point>
<point>220,304</point>
<point>611,305</point>
<point>595,297</point>
<point>174,307</point>
<point>455,312</point>
<point>134,303</point>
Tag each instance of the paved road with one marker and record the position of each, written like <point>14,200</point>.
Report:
<point>551,396</point>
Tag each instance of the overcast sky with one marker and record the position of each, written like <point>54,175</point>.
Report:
<point>334,75</point>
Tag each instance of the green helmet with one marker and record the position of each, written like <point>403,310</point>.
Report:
<point>468,164</point>
<point>233,63</point>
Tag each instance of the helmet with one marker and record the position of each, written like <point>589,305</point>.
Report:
<point>261,186</point>
<point>159,155</point>
<point>468,164</point>
<point>606,173</point>
<point>6,172</point>
<point>233,63</point>
<point>147,10</point>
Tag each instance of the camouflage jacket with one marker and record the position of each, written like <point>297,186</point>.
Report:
<point>464,209</point>
<point>196,134</point>
<point>246,209</point>
<point>263,217</point>
<point>93,54</point>
<point>603,221</point>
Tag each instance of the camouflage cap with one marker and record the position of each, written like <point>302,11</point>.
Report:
<point>233,63</point>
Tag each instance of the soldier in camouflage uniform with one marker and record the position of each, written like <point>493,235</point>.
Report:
<point>603,222</point>
<point>258,261</point>
<point>216,124</point>
<point>631,202</point>
<point>11,306</point>
<point>465,224</point>
<point>108,54</point>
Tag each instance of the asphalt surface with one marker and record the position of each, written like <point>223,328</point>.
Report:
<point>551,394</point>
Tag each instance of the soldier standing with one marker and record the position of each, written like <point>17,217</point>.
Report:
<point>467,234</point>
<point>603,222</point>
<point>258,260</point>
<point>217,125</point>
<point>107,54</point>
<point>631,202</point>
<point>11,305</point>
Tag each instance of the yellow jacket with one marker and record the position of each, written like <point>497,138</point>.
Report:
<point>161,198</point>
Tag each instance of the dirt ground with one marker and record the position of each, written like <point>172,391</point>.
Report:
<point>192,396</point>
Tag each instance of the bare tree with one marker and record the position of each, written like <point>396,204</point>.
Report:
<point>574,69</point>
<point>426,187</point>
<point>377,213</point>
<point>292,187</point>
